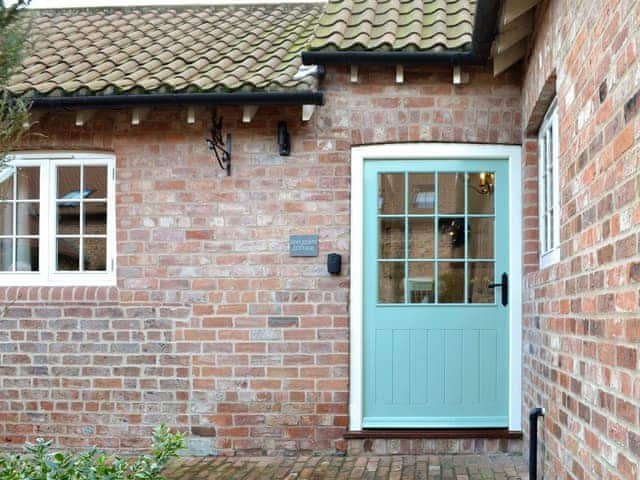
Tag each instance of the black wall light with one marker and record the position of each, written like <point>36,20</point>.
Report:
<point>221,149</point>
<point>284,141</point>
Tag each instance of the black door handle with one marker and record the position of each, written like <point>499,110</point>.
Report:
<point>504,287</point>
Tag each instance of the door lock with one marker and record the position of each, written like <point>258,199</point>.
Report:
<point>504,286</point>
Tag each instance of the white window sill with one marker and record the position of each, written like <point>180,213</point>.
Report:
<point>550,258</point>
<point>67,279</point>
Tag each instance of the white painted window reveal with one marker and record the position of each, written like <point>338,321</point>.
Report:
<point>549,188</point>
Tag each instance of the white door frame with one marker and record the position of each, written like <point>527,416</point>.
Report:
<point>435,151</point>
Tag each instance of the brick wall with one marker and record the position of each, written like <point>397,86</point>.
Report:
<point>581,327</point>
<point>213,328</point>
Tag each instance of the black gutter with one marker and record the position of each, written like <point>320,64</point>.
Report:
<point>235,98</point>
<point>484,29</point>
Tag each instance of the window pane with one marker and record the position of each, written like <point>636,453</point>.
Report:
<point>68,183</point>
<point>95,254</point>
<point>480,192</point>
<point>391,282</point>
<point>390,193</point>
<point>28,183</point>
<point>481,237</point>
<point>27,218</point>
<point>6,218</point>
<point>451,237</point>
<point>421,238</point>
<point>95,218</point>
<point>27,255</point>
<point>68,254</point>
<point>450,282</point>
<point>391,238</point>
<point>451,193</point>
<point>6,254</point>
<point>422,193</point>
<point>420,282</point>
<point>480,276</point>
<point>95,181</point>
<point>68,219</point>
<point>6,183</point>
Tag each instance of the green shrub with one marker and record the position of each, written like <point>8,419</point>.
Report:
<point>39,463</point>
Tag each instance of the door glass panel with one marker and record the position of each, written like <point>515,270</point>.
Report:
<point>481,274</point>
<point>391,238</point>
<point>421,238</point>
<point>451,192</point>
<point>451,237</point>
<point>391,193</point>
<point>68,254</point>
<point>450,282</point>
<point>420,282</point>
<point>480,237</point>
<point>422,193</point>
<point>441,226</point>
<point>481,197</point>
<point>390,282</point>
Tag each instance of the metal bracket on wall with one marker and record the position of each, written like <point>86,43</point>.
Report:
<point>220,148</point>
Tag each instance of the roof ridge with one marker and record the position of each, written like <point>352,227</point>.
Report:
<point>179,7</point>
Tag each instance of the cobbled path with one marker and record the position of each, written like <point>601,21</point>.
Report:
<point>459,467</point>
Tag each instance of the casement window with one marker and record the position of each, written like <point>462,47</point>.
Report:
<point>57,220</point>
<point>549,188</point>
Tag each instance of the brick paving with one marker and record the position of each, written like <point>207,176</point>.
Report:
<point>458,467</point>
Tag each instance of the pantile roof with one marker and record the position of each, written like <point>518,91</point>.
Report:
<point>395,25</point>
<point>168,50</point>
<point>225,48</point>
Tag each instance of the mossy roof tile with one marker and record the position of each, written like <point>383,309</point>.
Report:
<point>170,49</point>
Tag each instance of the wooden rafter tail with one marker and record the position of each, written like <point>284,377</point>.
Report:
<point>506,59</point>
<point>514,8</point>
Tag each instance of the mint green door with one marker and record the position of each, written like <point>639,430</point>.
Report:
<point>436,241</point>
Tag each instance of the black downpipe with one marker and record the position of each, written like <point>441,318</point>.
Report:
<point>534,414</point>
<point>484,30</point>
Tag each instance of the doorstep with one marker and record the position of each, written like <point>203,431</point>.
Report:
<point>433,441</point>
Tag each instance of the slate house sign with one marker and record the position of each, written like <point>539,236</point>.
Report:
<point>303,245</point>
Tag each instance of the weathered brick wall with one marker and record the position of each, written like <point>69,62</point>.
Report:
<point>213,328</point>
<point>582,333</point>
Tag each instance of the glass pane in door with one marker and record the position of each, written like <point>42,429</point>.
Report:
<point>440,233</point>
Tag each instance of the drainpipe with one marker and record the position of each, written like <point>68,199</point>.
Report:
<point>534,414</point>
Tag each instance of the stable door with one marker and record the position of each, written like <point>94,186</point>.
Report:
<point>436,312</point>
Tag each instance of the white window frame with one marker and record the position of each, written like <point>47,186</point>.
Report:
<point>549,188</point>
<point>48,276</point>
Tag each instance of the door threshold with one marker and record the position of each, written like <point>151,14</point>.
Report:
<point>434,433</point>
